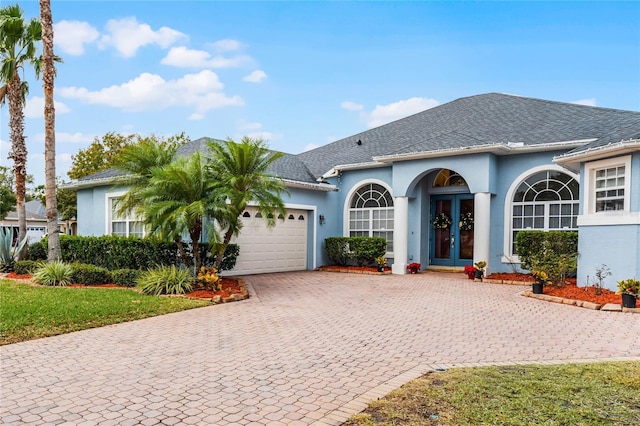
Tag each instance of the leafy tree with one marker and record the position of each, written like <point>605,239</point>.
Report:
<point>103,153</point>
<point>7,197</point>
<point>239,171</point>
<point>48,76</point>
<point>176,200</point>
<point>17,49</point>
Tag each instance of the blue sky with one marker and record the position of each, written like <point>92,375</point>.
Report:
<point>303,74</point>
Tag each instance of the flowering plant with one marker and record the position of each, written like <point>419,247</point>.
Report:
<point>381,261</point>
<point>540,277</point>
<point>442,221</point>
<point>470,270</point>
<point>466,221</point>
<point>629,286</point>
<point>413,267</point>
<point>480,265</point>
<point>208,277</point>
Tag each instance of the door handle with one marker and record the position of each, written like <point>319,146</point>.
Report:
<point>453,239</point>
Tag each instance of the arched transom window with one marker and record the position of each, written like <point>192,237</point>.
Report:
<point>547,200</point>
<point>371,213</point>
<point>446,177</point>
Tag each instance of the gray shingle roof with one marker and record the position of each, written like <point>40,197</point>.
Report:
<point>473,121</point>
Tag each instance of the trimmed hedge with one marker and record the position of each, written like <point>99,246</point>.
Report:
<point>113,252</point>
<point>361,250</point>
<point>89,274</point>
<point>126,277</point>
<point>22,267</point>
<point>365,249</point>
<point>532,243</point>
<point>337,249</point>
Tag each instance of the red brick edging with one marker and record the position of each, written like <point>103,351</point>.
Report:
<point>610,307</point>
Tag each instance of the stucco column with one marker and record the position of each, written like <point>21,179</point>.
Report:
<point>400,237</point>
<point>481,226</point>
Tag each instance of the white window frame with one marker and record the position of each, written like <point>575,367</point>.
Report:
<point>347,209</point>
<point>109,215</point>
<point>507,256</point>
<point>589,215</point>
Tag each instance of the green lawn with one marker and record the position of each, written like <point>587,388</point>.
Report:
<point>605,393</point>
<point>29,312</point>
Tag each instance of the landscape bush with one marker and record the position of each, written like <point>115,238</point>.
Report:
<point>37,251</point>
<point>361,250</point>
<point>365,250</point>
<point>86,274</point>
<point>53,274</point>
<point>337,249</point>
<point>125,277</point>
<point>166,280</point>
<point>22,267</point>
<point>553,252</point>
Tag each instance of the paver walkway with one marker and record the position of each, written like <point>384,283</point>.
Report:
<point>312,347</point>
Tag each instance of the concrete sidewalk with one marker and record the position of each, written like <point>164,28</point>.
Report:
<point>308,347</point>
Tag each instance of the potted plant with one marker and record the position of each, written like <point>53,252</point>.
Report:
<point>381,261</point>
<point>413,267</point>
<point>470,270</point>
<point>541,279</point>
<point>480,269</point>
<point>630,290</point>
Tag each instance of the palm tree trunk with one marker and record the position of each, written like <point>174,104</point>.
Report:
<point>18,153</point>
<point>195,244</point>
<point>225,243</point>
<point>50,134</point>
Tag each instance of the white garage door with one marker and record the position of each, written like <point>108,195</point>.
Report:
<point>278,249</point>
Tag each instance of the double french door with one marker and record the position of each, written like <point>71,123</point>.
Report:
<point>451,238</point>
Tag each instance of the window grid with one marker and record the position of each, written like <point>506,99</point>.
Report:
<point>371,213</point>
<point>545,201</point>
<point>609,184</point>
<point>124,226</point>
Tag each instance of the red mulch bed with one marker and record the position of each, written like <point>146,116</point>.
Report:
<point>228,287</point>
<point>568,291</point>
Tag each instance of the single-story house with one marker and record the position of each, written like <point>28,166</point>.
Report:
<point>36,221</point>
<point>447,187</point>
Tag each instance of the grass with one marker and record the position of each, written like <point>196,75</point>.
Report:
<point>30,312</point>
<point>605,393</point>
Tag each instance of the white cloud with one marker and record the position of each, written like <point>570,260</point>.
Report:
<point>255,77</point>
<point>34,107</point>
<point>309,147</point>
<point>265,136</point>
<point>71,36</point>
<point>351,106</point>
<point>128,35</point>
<point>189,58</point>
<point>588,102</point>
<point>383,114</point>
<point>63,137</point>
<point>227,45</point>
<point>254,131</point>
<point>201,91</point>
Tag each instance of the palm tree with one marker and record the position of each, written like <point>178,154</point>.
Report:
<point>48,69</point>
<point>239,171</point>
<point>176,200</point>
<point>17,49</point>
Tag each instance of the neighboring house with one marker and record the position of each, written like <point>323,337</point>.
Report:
<point>36,221</point>
<point>491,165</point>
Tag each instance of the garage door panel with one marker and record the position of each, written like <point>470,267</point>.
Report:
<point>278,249</point>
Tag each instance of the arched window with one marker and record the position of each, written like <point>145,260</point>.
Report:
<point>547,200</point>
<point>371,213</point>
<point>446,177</point>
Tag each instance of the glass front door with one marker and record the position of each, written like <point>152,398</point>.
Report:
<point>451,230</point>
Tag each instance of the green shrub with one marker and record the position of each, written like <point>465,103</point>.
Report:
<point>228,259</point>
<point>166,280</point>
<point>37,251</point>
<point>554,252</point>
<point>126,277</point>
<point>364,250</point>
<point>89,274</point>
<point>22,267</point>
<point>53,274</point>
<point>337,249</point>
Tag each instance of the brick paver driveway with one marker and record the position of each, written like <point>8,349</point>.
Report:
<point>308,347</point>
